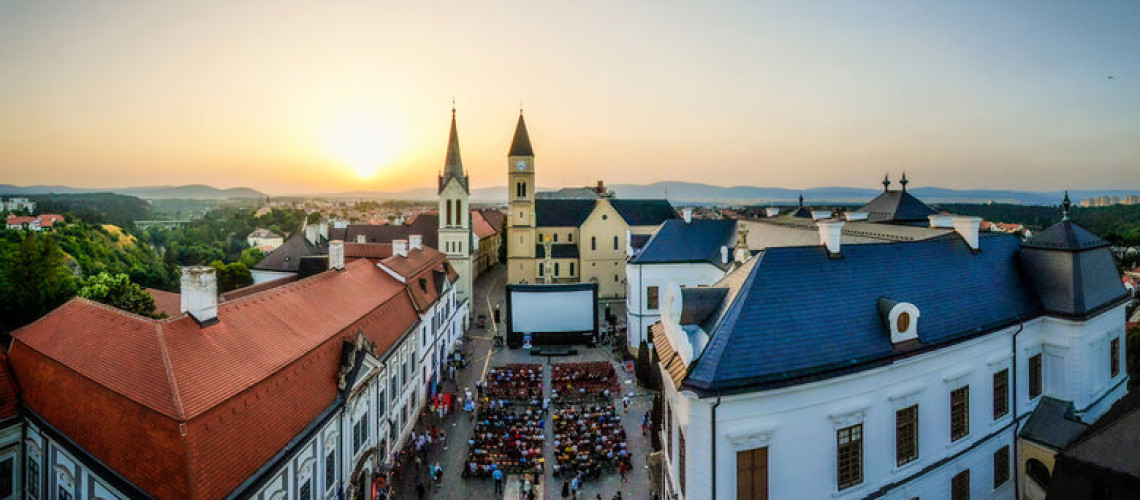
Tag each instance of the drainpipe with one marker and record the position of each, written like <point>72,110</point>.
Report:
<point>1016,417</point>
<point>713,447</point>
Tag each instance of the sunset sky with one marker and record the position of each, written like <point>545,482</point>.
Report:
<point>307,97</point>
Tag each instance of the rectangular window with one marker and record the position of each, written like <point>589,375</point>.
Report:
<point>1034,375</point>
<point>959,413</point>
<point>63,493</point>
<point>1114,357</point>
<point>681,460</point>
<point>556,237</point>
<point>381,403</point>
<point>570,237</point>
<point>571,269</point>
<point>593,243</point>
<point>541,269</point>
<point>960,486</point>
<point>1001,466</point>
<point>849,456</point>
<point>752,474</point>
<point>906,435</point>
<point>556,269</point>
<point>1001,394</point>
<point>669,429</point>
<point>330,470</point>
<point>306,491</point>
<point>33,479</point>
<point>6,479</point>
<point>615,242</point>
<point>651,297</point>
<point>357,436</point>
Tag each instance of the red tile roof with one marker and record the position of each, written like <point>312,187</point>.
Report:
<point>206,406</point>
<point>17,220</point>
<point>353,251</point>
<point>420,269</point>
<point>480,225</point>
<point>48,220</point>
<point>166,302</point>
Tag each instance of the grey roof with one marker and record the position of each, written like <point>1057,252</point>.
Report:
<point>287,257</point>
<point>1073,272</point>
<point>1053,424</point>
<point>697,241</point>
<point>453,163</point>
<point>1066,235</point>
<point>579,193</point>
<point>558,251</point>
<point>1113,442</point>
<point>644,212</point>
<point>897,206</point>
<point>786,321</point>
<point>562,213</point>
<point>520,144</point>
<point>426,225</point>
<point>697,304</point>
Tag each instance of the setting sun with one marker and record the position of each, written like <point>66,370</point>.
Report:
<point>363,143</point>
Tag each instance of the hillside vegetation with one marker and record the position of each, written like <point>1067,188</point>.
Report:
<point>1119,224</point>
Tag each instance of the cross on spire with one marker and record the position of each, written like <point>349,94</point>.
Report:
<point>903,181</point>
<point>886,182</point>
<point>1065,206</point>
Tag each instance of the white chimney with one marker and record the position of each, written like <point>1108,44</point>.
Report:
<point>830,233</point>
<point>941,220</point>
<point>771,211</point>
<point>313,234</point>
<point>856,216</point>
<point>400,247</point>
<point>820,214</point>
<point>336,254</point>
<point>416,241</point>
<point>200,293</point>
<point>687,213</point>
<point>968,228</point>
<point>723,254</point>
<point>360,238</point>
<point>323,225</point>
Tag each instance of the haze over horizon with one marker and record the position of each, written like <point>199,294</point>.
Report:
<point>296,97</point>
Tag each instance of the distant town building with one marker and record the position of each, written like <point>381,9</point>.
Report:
<point>906,357</point>
<point>16,203</point>
<point>264,239</point>
<point>33,223</point>
<point>1107,201</point>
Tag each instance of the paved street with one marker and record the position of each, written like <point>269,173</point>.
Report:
<point>489,291</point>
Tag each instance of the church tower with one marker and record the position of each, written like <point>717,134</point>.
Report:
<point>455,215</point>
<point>521,216</point>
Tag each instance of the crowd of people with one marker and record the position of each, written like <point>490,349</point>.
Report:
<point>588,440</point>
<point>583,382</point>
<point>508,431</point>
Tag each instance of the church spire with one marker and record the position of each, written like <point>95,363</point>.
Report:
<point>886,182</point>
<point>903,182</point>
<point>1065,206</point>
<point>453,164</point>
<point>520,145</point>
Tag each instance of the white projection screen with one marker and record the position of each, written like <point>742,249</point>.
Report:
<point>552,314</point>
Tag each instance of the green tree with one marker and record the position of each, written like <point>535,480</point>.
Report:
<point>117,290</point>
<point>232,276</point>
<point>251,256</point>
<point>34,279</point>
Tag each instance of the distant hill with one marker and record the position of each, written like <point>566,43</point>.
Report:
<point>188,192</point>
<point>696,193</point>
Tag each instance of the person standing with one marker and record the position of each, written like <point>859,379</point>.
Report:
<point>565,489</point>
<point>498,477</point>
<point>420,491</point>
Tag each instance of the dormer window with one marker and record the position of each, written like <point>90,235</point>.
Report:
<point>901,318</point>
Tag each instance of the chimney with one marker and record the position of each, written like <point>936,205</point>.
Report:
<point>400,247</point>
<point>336,254</point>
<point>941,220</point>
<point>856,216</point>
<point>968,228</point>
<point>312,234</point>
<point>601,189</point>
<point>416,241</point>
<point>360,238</point>
<point>771,211</point>
<point>687,213</point>
<point>200,293</point>
<point>830,233</point>
<point>724,254</point>
<point>820,214</point>
<point>323,227</point>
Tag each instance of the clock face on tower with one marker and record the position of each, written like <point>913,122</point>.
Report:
<point>521,165</point>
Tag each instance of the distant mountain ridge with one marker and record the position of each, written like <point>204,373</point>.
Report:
<point>187,192</point>
<point>697,193</point>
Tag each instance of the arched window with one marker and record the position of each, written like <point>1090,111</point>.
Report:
<point>448,212</point>
<point>459,218</point>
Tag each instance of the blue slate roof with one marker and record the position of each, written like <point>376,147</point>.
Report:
<point>1066,235</point>
<point>1073,270</point>
<point>698,241</point>
<point>644,212</point>
<point>800,313</point>
<point>897,206</point>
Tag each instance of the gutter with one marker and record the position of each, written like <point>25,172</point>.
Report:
<point>1016,416</point>
<point>713,447</point>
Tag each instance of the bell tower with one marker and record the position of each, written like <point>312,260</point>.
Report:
<point>455,215</point>
<point>521,216</point>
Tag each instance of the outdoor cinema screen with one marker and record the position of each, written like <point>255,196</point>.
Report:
<point>553,309</point>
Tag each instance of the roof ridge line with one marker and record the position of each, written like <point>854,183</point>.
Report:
<point>175,395</point>
<point>322,275</point>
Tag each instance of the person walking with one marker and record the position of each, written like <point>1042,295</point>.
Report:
<point>498,477</point>
<point>565,489</point>
<point>622,469</point>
